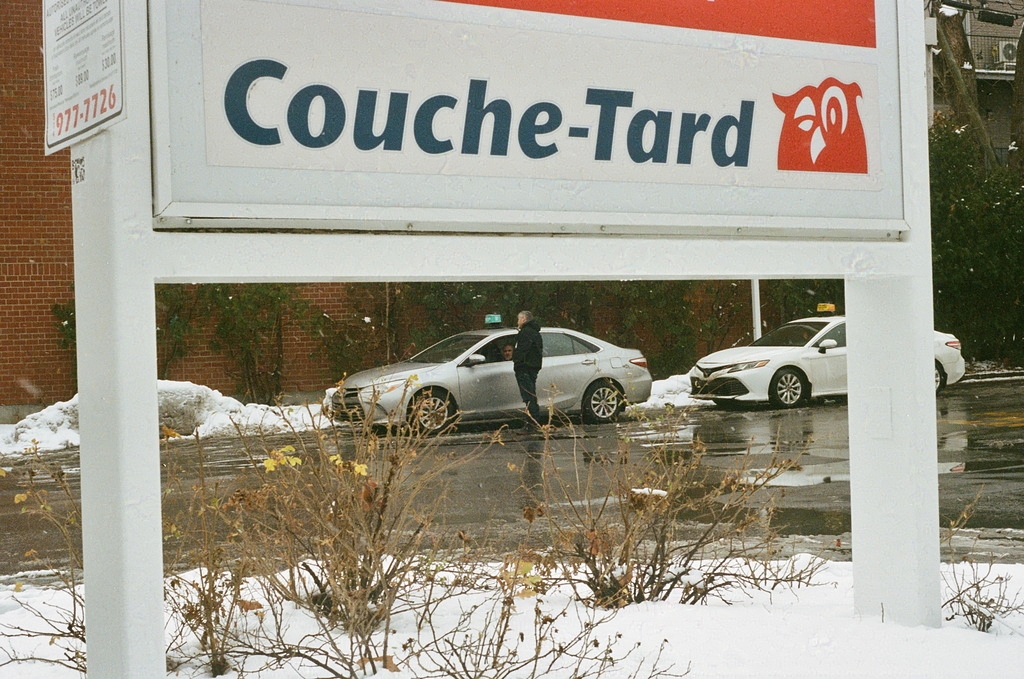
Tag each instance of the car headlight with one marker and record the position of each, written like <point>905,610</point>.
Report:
<point>749,365</point>
<point>381,388</point>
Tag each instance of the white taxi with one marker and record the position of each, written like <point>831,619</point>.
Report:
<point>798,360</point>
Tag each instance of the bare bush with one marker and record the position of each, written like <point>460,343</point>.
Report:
<point>207,600</point>
<point>974,591</point>
<point>340,527</point>
<point>510,629</point>
<point>666,526</point>
<point>63,627</point>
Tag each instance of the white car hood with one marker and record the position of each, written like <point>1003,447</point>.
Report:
<point>742,355</point>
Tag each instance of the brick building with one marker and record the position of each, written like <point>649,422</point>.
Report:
<point>35,222</point>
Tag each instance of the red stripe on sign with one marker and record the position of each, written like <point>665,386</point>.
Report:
<point>838,22</point>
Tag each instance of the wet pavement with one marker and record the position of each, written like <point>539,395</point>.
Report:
<point>980,458</point>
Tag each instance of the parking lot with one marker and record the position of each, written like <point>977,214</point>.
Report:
<point>980,457</point>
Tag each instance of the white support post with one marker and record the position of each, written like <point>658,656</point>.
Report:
<point>893,454</point>
<point>116,331</point>
<point>755,306</point>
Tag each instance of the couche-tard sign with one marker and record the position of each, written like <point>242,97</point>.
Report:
<point>430,104</point>
<point>535,128</point>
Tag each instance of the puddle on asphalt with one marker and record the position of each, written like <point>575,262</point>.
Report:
<point>799,521</point>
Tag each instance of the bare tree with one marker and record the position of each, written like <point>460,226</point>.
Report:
<point>958,81</point>
<point>1015,159</point>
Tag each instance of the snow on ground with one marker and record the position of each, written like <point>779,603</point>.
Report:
<point>188,408</point>
<point>807,633</point>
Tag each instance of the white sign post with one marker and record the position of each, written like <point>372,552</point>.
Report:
<point>607,172</point>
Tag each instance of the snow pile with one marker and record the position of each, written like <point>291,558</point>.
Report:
<point>674,391</point>
<point>185,406</point>
<point>53,428</point>
<point>255,418</point>
<point>185,409</point>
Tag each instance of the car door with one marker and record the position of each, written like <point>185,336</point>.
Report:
<point>568,367</point>
<point>489,389</point>
<point>827,369</point>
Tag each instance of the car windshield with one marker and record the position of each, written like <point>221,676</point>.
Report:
<point>790,335</point>
<point>447,349</point>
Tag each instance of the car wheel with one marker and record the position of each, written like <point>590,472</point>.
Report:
<point>602,401</point>
<point>431,410</point>
<point>788,389</point>
<point>940,377</point>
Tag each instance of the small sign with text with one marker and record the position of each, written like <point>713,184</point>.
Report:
<point>83,52</point>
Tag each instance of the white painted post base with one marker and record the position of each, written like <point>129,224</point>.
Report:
<point>893,458</point>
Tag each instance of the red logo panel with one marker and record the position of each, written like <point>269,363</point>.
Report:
<point>822,131</point>
<point>837,22</point>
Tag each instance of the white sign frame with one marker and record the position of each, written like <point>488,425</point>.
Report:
<point>120,256</point>
<point>207,177</point>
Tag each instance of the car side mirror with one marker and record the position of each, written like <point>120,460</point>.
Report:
<point>474,359</point>
<point>825,345</point>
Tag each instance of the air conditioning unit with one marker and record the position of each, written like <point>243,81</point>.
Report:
<point>1007,57</point>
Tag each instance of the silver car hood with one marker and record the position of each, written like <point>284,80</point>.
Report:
<point>388,373</point>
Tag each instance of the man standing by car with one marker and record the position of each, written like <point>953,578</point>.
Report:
<point>526,361</point>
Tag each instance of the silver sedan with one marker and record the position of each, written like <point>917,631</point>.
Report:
<point>467,376</point>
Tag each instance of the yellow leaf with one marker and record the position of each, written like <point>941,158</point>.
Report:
<point>20,497</point>
<point>270,464</point>
<point>18,586</point>
<point>246,605</point>
<point>387,661</point>
<point>3,472</point>
<point>360,469</point>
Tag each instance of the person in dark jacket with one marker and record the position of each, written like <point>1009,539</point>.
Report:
<point>526,361</point>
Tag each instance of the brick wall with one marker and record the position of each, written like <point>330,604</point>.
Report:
<point>356,322</point>
<point>35,222</point>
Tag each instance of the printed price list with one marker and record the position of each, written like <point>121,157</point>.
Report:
<point>83,68</point>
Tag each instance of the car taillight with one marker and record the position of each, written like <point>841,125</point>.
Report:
<point>953,344</point>
<point>642,362</point>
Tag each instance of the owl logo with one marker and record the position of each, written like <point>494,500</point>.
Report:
<point>822,131</point>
